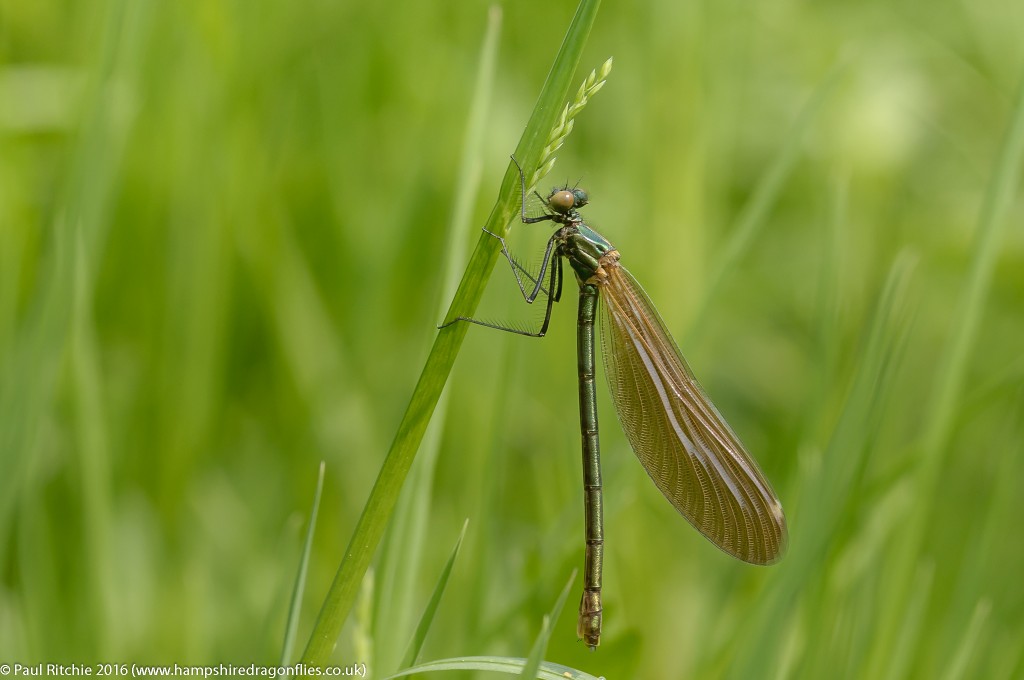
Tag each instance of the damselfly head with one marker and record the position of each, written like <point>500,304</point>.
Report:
<point>563,200</point>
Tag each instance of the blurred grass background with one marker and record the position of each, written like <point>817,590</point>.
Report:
<point>222,228</point>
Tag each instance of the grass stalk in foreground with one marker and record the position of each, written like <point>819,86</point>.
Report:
<point>401,555</point>
<point>384,495</point>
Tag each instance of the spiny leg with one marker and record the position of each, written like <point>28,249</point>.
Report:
<point>554,291</point>
<point>516,267</point>
<point>555,280</point>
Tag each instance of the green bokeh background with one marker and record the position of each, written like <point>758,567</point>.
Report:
<point>223,232</point>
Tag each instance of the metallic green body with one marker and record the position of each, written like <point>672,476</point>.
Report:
<point>589,623</point>
<point>681,440</point>
<point>583,247</point>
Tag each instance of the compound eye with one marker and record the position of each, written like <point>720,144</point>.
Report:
<point>561,201</point>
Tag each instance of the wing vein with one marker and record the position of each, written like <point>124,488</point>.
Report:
<point>680,438</point>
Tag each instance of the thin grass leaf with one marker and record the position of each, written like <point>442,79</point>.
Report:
<point>898,665</point>
<point>496,664</point>
<point>362,631</point>
<point>972,568</point>
<point>490,471</point>
<point>62,319</point>
<point>471,163</point>
<point>827,336</point>
<point>416,644</point>
<point>295,606</point>
<point>755,212</point>
<point>540,645</point>
<point>828,491</point>
<point>28,387</point>
<point>969,645</point>
<point>848,448</point>
<point>384,495</point>
<point>950,372</point>
<point>402,554</point>
<point>992,223</point>
<point>93,441</point>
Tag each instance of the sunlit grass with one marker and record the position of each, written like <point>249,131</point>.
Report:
<point>224,247</point>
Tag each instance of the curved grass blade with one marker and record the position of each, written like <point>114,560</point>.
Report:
<point>384,495</point>
<point>416,644</point>
<point>295,607</point>
<point>496,664</point>
<point>681,439</point>
<point>540,645</point>
<point>531,667</point>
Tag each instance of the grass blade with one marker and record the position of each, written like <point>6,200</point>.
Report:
<point>756,210</point>
<point>403,547</point>
<point>384,495</point>
<point>540,645</point>
<point>295,606</point>
<point>828,490</point>
<point>529,670</point>
<point>941,415</point>
<point>496,664</point>
<point>968,646</point>
<point>911,622</point>
<point>416,644</point>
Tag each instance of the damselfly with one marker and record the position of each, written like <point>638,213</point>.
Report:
<point>681,439</point>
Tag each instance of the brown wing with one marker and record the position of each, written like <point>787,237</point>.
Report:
<point>681,439</point>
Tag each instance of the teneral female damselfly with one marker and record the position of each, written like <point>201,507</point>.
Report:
<point>681,439</point>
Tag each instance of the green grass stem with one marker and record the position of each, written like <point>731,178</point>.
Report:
<point>385,492</point>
